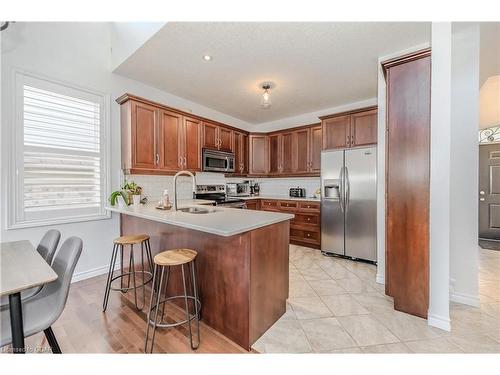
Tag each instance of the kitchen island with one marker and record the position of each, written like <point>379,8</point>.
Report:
<point>242,262</point>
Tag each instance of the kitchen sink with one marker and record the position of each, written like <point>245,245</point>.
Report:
<point>196,210</point>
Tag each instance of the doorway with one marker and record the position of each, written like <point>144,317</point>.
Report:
<point>489,195</point>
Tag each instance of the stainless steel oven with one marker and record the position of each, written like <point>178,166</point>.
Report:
<point>218,161</point>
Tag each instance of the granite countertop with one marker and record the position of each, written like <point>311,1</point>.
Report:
<point>223,222</point>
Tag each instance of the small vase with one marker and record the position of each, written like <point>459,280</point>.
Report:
<point>136,199</point>
<point>121,202</point>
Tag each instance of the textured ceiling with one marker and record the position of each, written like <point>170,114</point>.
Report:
<point>313,65</point>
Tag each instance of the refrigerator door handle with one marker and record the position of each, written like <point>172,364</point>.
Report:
<point>341,189</point>
<point>347,189</point>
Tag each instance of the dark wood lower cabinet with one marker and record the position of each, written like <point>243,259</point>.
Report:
<point>305,227</point>
<point>253,204</point>
<point>407,182</point>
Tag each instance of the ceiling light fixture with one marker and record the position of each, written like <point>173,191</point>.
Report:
<point>266,96</point>
<point>207,57</point>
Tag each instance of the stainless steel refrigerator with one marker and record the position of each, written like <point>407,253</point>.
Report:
<point>349,203</point>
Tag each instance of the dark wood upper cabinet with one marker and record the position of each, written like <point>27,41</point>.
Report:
<point>275,154</point>
<point>302,151</point>
<point>170,141</point>
<point>350,129</point>
<point>217,137</point>
<point>288,153</point>
<point>244,153</point>
<point>192,144</point>
<point>336,132</point>
<point>240,147</point>
<point>407,181</point>
<point>144,128</point>
<point>364,128</point>
<point>237,139</point>
<point>294,151</point>
<point>258,162</point>
<point>158,140</point>
<point>210,136</point>
<point>225,139</point>
<point>315,149</point>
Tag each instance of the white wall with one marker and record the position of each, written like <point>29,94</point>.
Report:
<point>79,54</point>
<point>128,37</point>
<point>440,176</point>
<point>489,101</point>
<point>310,118</point>
<point>464,163</point>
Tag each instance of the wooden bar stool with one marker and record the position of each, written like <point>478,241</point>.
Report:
<point>118,245</point>
<point>163,261</point>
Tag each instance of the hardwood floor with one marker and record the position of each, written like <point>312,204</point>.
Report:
<point>84,328</point>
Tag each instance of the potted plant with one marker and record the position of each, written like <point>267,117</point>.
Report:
<point>134,192</point>
<point>119,197</point>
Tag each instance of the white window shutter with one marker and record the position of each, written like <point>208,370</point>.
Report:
<point>62,154</point>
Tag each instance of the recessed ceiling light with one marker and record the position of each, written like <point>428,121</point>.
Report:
<point>207,57</point>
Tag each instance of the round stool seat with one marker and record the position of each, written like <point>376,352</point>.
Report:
<point>131,240</point>
<point>175,257</point>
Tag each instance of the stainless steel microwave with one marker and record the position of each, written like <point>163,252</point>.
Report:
<point>218,161</point>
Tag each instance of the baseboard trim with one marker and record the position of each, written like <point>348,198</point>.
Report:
<point>465,299</point>
<point>79,276</point>
<point>439,322</point>
<point>380,279</point>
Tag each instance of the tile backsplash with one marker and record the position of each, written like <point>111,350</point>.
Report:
<point>281,186</point>
<point>153,186</point>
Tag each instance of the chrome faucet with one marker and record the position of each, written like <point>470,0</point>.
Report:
<point>185,173</point>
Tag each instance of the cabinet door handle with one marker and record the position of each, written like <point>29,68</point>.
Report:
<point>157,159</point>
<point>185,162</point>
<point>180,161</point>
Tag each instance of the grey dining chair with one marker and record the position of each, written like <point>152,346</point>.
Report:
<point>48,245</point>
<point>43,309</point>
<point>46,248</point>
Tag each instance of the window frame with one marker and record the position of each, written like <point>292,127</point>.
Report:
<point>15,188</point>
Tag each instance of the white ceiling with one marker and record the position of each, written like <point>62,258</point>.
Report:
<point>313,65</point>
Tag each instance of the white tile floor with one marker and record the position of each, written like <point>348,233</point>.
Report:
<point>335,306</point>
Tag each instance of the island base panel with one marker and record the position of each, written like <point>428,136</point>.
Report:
<point>242,279</point>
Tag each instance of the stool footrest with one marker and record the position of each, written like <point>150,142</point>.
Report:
<point>146,281</point>
<point>191,316</point>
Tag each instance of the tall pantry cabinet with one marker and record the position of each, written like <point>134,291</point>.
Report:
<point>407,167</point>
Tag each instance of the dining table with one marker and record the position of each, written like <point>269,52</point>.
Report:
<point>21,268</point>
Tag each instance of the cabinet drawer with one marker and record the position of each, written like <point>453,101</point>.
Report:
<point>269,205</point>
<point>308,219</point>
<point>253,204</point>
<point>287,205</point>
<point>304,235</point>
<point>309,206</point>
